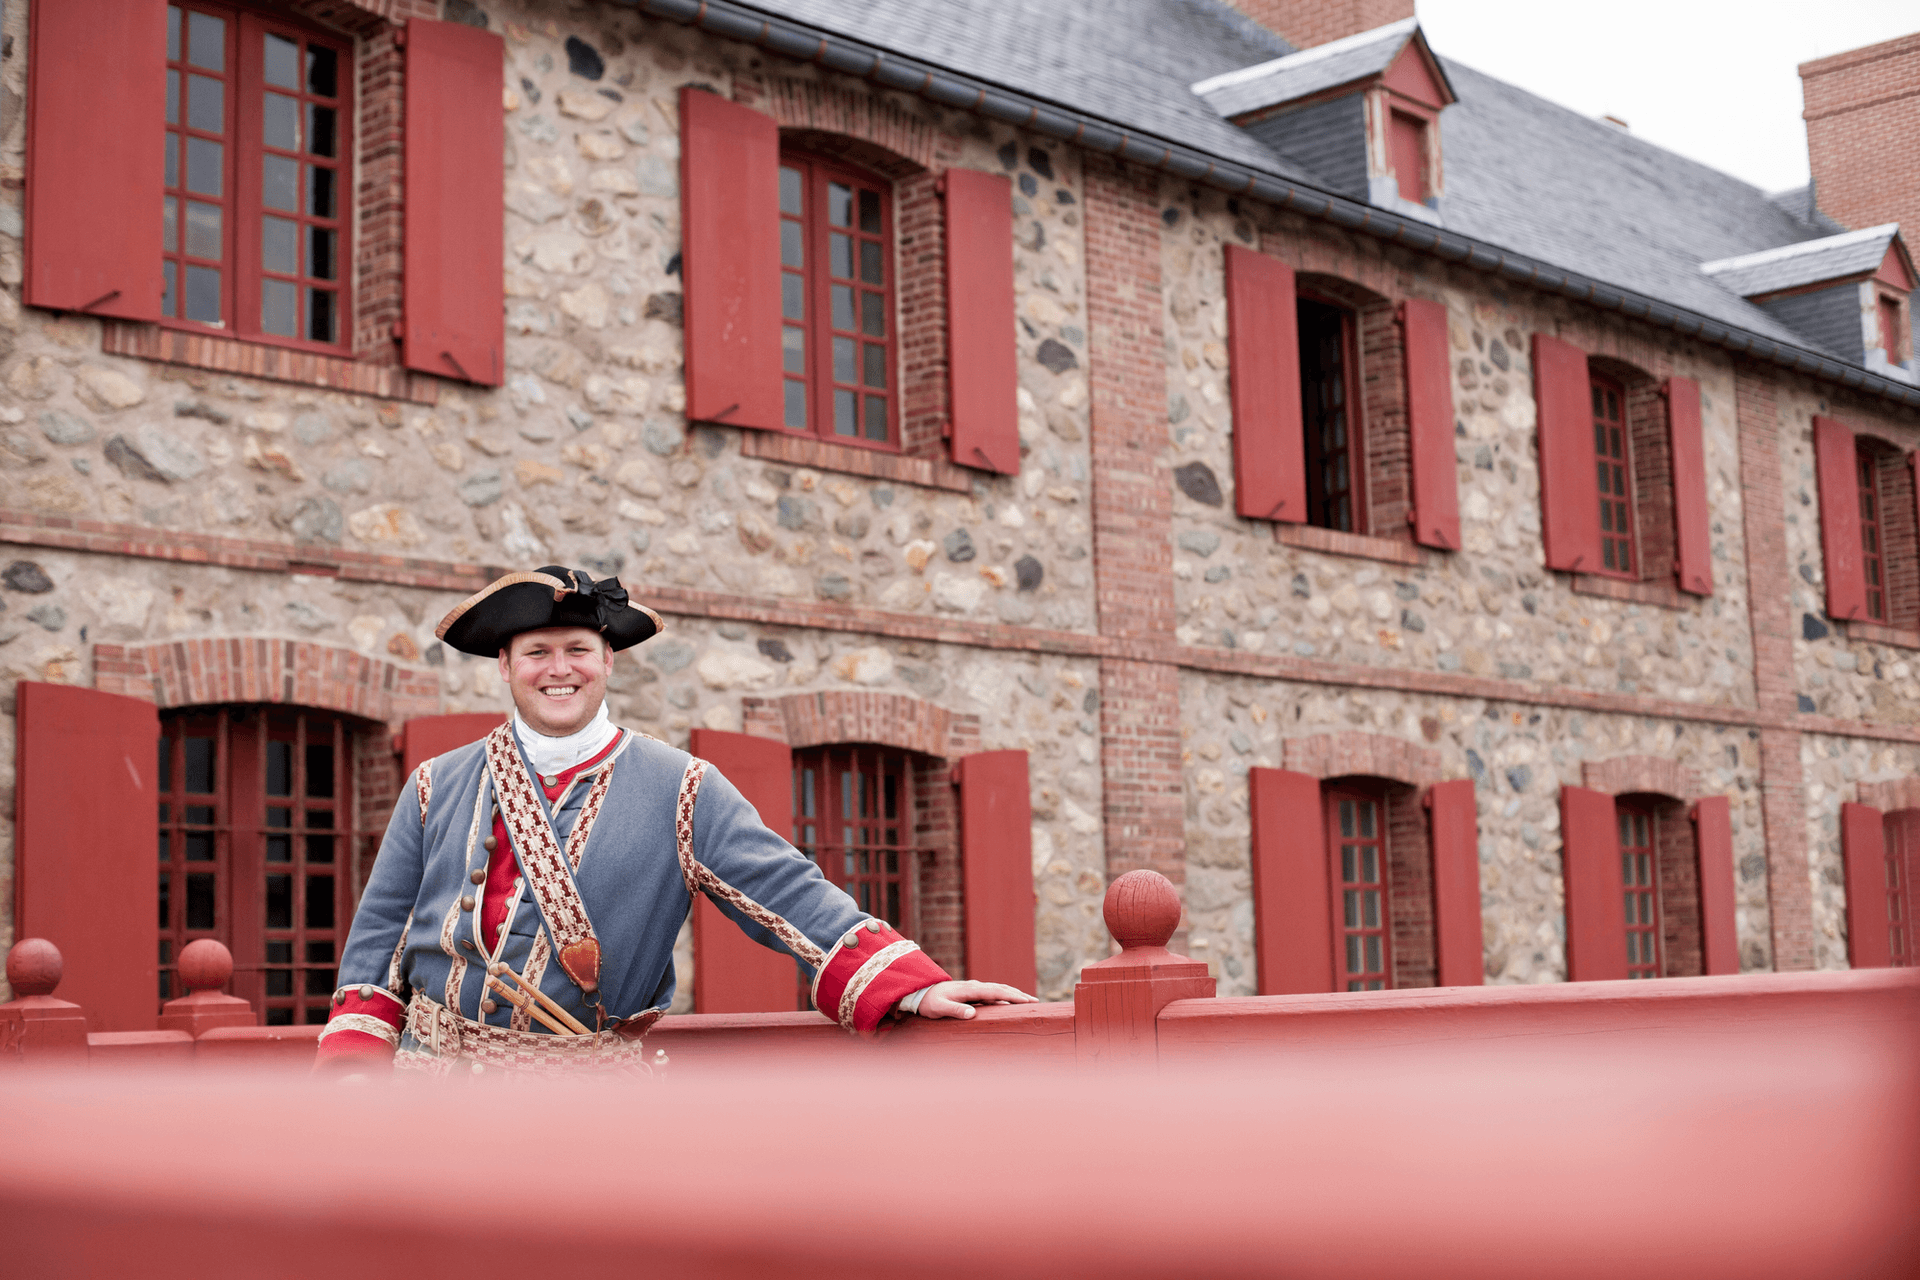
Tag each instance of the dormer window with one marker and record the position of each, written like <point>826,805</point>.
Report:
<point>1893,328</point>
<point>1847,294</point>
<point>1361,114</point>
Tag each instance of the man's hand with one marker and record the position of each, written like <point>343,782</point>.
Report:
<point>956,999</point>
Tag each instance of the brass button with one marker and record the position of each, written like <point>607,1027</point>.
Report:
<point>853,944</point>
<point>550,780</point>
<point>490,843</point>
<point>466,902</point>
<point>873,926</point>
<point>366,992</point>
<point>467,943</point>
<point>478,876</point>
<point>488,1006</point>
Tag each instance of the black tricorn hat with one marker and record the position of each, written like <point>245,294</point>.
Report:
<point>550,596</point>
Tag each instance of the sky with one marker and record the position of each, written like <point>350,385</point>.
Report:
<point>1712,80</point>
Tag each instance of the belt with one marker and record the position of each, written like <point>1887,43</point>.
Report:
<point>443,1040</point>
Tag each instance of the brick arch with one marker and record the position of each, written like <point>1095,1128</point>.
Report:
<point>862,127</point>
<point>216,669</point>
<point>1640,775</point>
<point>1372,755</point>
<point>887,719</point>
<point>1896,793</point>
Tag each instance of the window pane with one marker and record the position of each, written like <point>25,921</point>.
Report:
<point>793,297</point>
<point>204,164</point>
<point>320,849</point>
<point>1353,953</point>
<point>1351,905</point>
<point>796,412</point>
<point>839,204</point>
<point>840,257</point>
<point>173,33</point>
<point>279,983</point>
<point>875,360</point>
<point>792,245</point>
<point>843,409</point>
<point>282,63</point>
<point>789,190</point>
<point>279,309</point>
<point>279,902</point>
<point>206,104</point>
<point>321,315</point>
<point>173,159</point>
<point>207,41</point>
<point>199,765</point>
<point>870,262</point>
<point>323,69</point>
<point>843,360</point>
<point>876,417</point>
<point>1373,953</point>
<point>170,225</point>
<point>280,250</point>
<point>200,904</point>
<point>173,97</point>
<point>280,122</point>
<point>280,184</point>
<point>203,230</point>
<point>166,900</point>
<point>873,315</point>
<point>319,982</point>
<point>279,848</point>
<point>320,198</point>
<point>321,243</point>
<point>793,349</point>
<point>870,212</point>
<point>319,902</point>
<point>842,307</point>
<point>321,139</point>
<point>167,292</point>
<point>280,769</point>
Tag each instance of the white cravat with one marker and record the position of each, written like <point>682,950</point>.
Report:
<point>555,755</point>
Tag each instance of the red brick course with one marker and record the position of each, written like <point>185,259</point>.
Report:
<point>1679,870</point>
<point>186,673</point>
<point>1410,890</point>
<point>1897,793</point>
<point>1356,754</point>
<point>1640,775</point>
<point>1306,23</point>
<point>1863,113</point>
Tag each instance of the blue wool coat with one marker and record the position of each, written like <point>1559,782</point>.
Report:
<point>629,878</point>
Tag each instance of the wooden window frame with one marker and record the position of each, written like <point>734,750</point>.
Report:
<point>276,966</point>
<point>1396,118</point>
<point>819,809</point>
<point>1866,471</point>
<point>241,200</point>
<point>1621,493</point>
<point>1356,425</point>
<point>1902,828</point>
<point>1890,315</point>
<point>1639,839</point>
<point>817,375</point>
<point>1351,931</point>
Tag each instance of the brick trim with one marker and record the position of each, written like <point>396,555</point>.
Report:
<point>826,109</point>
<point>1650,775</point>
<point>1897,793</point>
<point>259,360</point>
<point>1356,754</point>
<point>1898,637</point>
<point>1362,546</point>
<point>1661,595</point>
<point>811,451</point>
<point>217,669</point>
<point>835,716</point>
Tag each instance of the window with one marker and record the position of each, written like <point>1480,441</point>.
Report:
<point>258,122</point>
<point>1614,469</point>
<point>836,299</point>
<point>853,815</point>
<point>1362,941</point>
<point>1336,493</point>
<point>253,807</point>
<point>1408,143</point>
<point>1639,876</point>
<point>1903,855</point>
<point>1872,568</point>
<point>1891,329</point>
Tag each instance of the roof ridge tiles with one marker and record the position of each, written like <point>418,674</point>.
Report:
<point>1291,61</point>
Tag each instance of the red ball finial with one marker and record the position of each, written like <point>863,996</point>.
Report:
<point>1142,910</point>
<point>34,967</point>
<point>205,965</point>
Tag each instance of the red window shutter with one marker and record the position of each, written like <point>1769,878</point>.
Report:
<point>1454,836</point>
<point>1263,361</point>
<point>1863,852</point>
<point>424,737</point>
<point>731,972</point>
<point>85,877</point>
<point>982,361</point>
<point>1713,858</point>
<point>1693,558</point>
<point>1292,912</point>
<point>96,110</point>
<point>1834,454</point>
<point>455,293</point>
<point>1436,489</point>
<point>996,867</point>
<point>1569,495</point>
<point>1590,863</point>
<point>730,261</point>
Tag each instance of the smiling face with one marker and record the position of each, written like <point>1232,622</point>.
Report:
<point>558,676</point>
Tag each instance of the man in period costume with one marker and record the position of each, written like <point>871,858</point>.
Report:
<point>523,909</point>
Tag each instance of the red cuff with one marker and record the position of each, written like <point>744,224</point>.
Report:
<point>363,1031</point>
<point>868,971</point>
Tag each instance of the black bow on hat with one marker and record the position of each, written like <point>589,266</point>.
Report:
<point>550,596</point>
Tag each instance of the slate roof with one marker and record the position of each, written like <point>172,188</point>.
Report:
<point>1522,173</point>
<point>1310,71</point>
<point>1809,262</point>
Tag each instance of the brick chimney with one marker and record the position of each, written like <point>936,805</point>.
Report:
<point>1863,134</point>
<point>1305,23</point>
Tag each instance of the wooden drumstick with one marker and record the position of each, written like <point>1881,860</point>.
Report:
<point>526,1006</point>
<point>546,1001</point>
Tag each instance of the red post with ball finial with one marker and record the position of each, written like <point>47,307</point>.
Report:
<point>1118,1000</point>
<point>35,1026</point>
<point>205,966</point>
